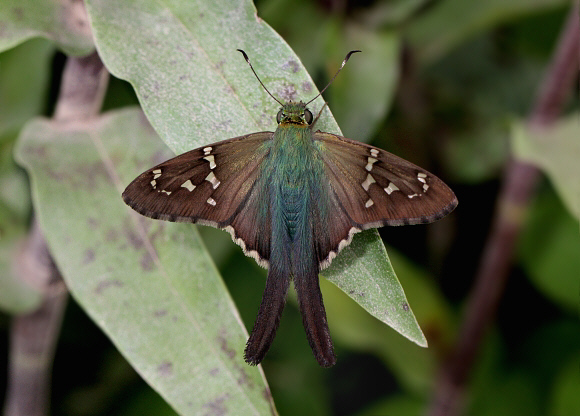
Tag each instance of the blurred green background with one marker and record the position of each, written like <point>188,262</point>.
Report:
<point>465,72</point>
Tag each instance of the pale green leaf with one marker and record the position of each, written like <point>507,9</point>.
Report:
<point>414,367</point>
<point>362,274</point>
<point>150,285</point>
<point>556,151</point>
<point>63,22</point>
<point>196,89</point>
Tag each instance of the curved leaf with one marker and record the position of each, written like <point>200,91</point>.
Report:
<point>63,22</point>
<point>150,285</point>
<point>555,150</point>
<point>196,89</point>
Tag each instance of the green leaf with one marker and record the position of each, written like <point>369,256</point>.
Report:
<point>555,150</point>
<point>372,283</point>
<point>549,249</point>
<point>451,22</point>
<point>150,285</point>
<point>63,22</point>
<point>511,394</point>
<point>413,366</point>
<point>398,404</point>
<point>565,400</point>
<point>197,89</point>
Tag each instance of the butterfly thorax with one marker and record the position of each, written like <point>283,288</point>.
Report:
<point>295,166</point>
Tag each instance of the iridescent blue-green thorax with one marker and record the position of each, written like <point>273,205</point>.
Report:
<point>296,168</point>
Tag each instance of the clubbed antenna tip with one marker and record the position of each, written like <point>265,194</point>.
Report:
<point>257,77</point>
<point>346,58</point>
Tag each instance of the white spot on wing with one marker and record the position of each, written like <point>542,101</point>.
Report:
<point>154,184</point>
<point>368,181</point>
<point>211,201</point>
<point>188,185</point>
<point>166,192</point>
<point>211,161</point>
<point>412,196</point>
<point>374,152</point>
<point>213,180</point>
<point>369,165</point>
<point>207,150</point>
<point>425,187</point>
<point>391,188</point>
<point>156,172</point>
<point>369,203</point>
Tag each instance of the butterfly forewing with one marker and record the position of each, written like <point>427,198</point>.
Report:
<point>215,185</point>
<point>377,188</point>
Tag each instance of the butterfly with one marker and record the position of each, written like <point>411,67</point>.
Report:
<point>292,199</point>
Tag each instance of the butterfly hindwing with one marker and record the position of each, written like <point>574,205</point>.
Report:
<point>216,185</point>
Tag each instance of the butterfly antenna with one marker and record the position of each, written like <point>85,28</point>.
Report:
<point>337,72</point>
<point>261,83</point>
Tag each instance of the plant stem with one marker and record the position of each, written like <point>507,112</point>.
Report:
<point>33,336</point>
<point>518,188</point>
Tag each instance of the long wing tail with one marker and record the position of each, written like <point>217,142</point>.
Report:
<point>312,309</point>
<point>273,301</point>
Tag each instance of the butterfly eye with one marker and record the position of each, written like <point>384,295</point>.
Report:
<point>279,116</point>
<point>308,116</point>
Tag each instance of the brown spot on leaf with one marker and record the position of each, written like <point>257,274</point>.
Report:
<point>229,351</point>
<point>243,378</point>
<point>111,236</point>
<point>405,306</point>
<point>147,262</point>
<point>105,284</point>
<point>288,93</point>
<point>133,238</point>
<point>160,313</point>
<point>88,256</point>
<point>165,369</point>
<point>217,407</point>
<point>292,65</point>
<point>18,13</point>
<point>93,223</point>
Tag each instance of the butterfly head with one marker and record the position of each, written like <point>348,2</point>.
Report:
<point>294,113</point>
